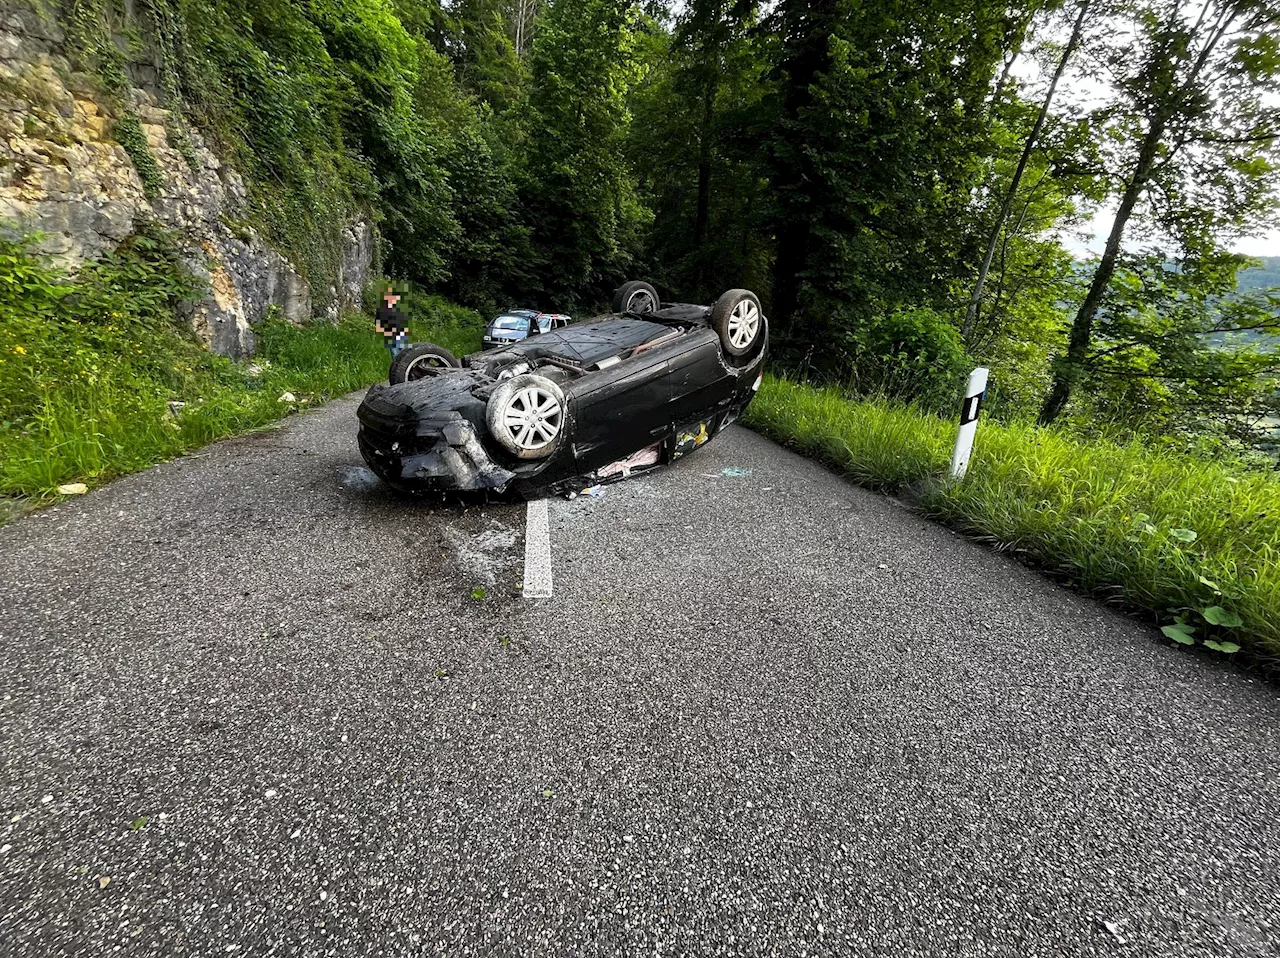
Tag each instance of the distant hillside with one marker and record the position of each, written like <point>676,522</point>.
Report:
<point>1266,276</point>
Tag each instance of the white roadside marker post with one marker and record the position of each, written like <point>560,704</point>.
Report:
<point>973,394</point>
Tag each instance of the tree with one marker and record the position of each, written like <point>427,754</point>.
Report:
<point>882,122</point>
<point>524,17</point>
<point>486,57</point>
<point>1029,147</point>
<point>1177,352</point>
<point>577,190</point>
<point>695,113</point>
<point>1192,143</point>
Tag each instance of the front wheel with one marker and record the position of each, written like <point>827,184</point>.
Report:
<point>526,414</point>
<point>419,361</point>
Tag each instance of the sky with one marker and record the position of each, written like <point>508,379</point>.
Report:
<point>1265,243</point>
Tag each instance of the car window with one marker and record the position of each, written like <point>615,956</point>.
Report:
<point>511,322</point>
<point>544,323</point>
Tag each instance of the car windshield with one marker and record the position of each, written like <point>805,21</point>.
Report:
<point>511,322</point>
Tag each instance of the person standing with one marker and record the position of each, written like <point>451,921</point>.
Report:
<point>392,323</point>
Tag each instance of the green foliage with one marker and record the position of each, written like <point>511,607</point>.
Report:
<point>580,196</point>
<point>128,133</point>
<point>694,148</point>
<point>436,320</point>
<point>909,356</point>
<point>1109,518</point>
<point>874,154</point>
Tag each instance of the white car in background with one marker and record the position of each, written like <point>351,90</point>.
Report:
<point>515,324</point>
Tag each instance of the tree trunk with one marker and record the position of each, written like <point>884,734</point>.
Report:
<point>793,253</point>
<point>1006,204</point>
<point>702,215</point>
<point>802,64</point>
<point>1068,370</point>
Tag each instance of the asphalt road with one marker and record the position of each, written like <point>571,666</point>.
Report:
<point>764,714</point>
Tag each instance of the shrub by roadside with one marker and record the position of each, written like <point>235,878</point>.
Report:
<point>1189,541</point>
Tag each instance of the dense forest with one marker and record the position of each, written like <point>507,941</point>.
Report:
<point>900,181</point>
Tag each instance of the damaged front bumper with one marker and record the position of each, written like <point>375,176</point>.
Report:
<point>455,462</point>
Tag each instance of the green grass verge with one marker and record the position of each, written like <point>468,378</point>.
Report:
<point>109,417</point>
<point>1192,543</point>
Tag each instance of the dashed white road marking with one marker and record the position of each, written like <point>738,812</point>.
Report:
<point>537,551</point>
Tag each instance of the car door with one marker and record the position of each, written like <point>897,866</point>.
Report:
<point>699,382</point>
<point>623,408</point>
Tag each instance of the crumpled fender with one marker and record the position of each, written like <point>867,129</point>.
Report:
<point>457,461</point>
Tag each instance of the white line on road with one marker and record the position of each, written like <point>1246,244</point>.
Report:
<point>537,551</point>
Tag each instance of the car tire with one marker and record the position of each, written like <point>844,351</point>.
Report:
<point>527,415</point>
<point>635,297</point>
<point>419,360</point>
<point>739,321</point>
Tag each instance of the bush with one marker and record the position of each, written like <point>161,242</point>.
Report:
<point>907,356</point>
<point>89,366</point>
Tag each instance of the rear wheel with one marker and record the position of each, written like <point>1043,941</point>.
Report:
<point>737,318</point>
<point>635,297</point>
<point>526,414</point>
<point>419,361</point>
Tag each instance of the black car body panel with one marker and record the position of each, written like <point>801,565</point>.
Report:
<point>630,384</point>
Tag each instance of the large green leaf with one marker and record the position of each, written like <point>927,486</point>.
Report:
<point>1217,615</point>
<point>1179,633</point>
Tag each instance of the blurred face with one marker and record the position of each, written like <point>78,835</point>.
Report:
<point>390,297</point>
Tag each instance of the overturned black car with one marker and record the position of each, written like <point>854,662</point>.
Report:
<point>593,402</point>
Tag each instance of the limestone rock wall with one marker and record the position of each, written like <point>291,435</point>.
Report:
<point>64,174</point>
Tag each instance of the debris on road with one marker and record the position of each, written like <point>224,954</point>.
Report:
<point>734,471</point>
<point>1114,928</point>
<point>73,489</point>
<point>595,492</point>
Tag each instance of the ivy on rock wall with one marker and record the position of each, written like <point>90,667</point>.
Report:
<point>330,109</point>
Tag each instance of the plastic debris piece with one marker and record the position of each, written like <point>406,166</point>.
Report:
<point>73,489</point>
<point>647,456</point>
<point>594,491</point>
<point>1114,928</point>
<point>287,397</point>
<point>735,471</point>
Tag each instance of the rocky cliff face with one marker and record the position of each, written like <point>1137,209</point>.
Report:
<point>65,174</point>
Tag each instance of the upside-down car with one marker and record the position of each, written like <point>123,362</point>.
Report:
<point>589,403</point>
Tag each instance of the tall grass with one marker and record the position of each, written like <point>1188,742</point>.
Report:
<point>92,428</point>
<point>1179,538</point>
